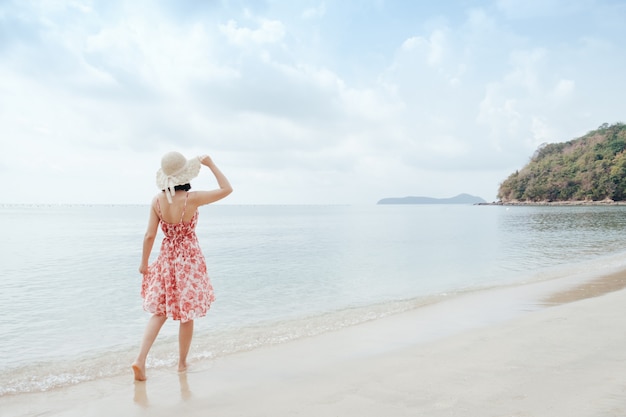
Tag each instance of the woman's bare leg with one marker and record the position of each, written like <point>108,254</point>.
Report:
<point>185,333</point>
<point>152,331</point>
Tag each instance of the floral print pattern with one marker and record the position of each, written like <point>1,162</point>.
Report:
<point>177,284</point>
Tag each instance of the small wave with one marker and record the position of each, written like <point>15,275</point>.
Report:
<point>45,376</point>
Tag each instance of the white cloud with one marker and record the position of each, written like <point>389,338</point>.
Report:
<point>563,89</point>
<point>270,31</point>
<point>433,48</point>
<point>542,132</point>
<point>315,12</point>
<point>526,69</point>
<point>167,57</point>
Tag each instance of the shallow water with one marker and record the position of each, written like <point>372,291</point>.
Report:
<point>69,286</point>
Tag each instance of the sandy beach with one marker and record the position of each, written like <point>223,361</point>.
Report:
<point>541,349</point>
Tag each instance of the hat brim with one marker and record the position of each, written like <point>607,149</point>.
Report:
<point>184,176</point>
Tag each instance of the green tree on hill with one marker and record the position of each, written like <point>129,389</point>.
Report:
<point>592,167</point>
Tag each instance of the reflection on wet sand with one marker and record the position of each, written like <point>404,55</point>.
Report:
<point>141,392</point>
<point>141,395</point>
<point>185,392</point>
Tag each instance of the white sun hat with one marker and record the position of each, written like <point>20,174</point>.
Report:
<point>176,170</point>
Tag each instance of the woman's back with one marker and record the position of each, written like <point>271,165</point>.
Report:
<point>180,210</point>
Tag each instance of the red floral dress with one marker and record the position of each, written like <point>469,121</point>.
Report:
<point>177,284</point>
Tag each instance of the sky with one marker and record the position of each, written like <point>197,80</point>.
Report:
<point>298,102</point>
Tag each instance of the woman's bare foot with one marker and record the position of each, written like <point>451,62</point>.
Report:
<point>139,371</point>
<point>182,367</point>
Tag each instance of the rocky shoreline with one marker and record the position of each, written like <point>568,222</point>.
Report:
<point>555,203</point>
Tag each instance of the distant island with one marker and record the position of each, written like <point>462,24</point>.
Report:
<point>587,170</point>
<point>459,199</point>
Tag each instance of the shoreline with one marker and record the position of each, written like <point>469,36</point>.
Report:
<point>600,203</point>
<point>450,357</point>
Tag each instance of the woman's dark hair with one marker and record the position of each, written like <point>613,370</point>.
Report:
<point>184,187</point>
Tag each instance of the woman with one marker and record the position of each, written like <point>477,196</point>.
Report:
<point>176,285</point>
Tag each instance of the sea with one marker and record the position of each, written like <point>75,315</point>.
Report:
<point>70,305</point>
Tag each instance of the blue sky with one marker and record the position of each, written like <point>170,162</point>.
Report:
<point>314,102</point>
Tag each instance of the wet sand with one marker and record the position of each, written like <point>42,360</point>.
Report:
<point>605,284</point>
<point>541,349</point>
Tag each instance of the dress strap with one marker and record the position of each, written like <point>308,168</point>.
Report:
<point>184,208</point>
<point>158,207</point>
